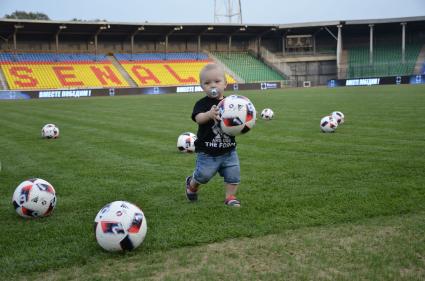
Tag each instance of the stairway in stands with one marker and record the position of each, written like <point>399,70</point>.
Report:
<point>420,62</point>
<point>122,71</point>
<point>3,84</point>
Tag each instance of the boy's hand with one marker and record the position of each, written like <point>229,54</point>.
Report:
<point>214,113</point>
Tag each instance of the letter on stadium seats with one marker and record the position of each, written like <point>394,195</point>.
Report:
<point>150,76</point>
<point>107,73</point>
<point>64,77</point>
<point>189,79</point>
<point>24,80</point>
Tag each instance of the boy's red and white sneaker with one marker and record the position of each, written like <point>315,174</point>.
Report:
<point>232,201</point>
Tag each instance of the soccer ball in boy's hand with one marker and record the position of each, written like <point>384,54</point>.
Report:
<point>338,116</point>
<point>267,114</point>
<point>238,115</point>
<point>50,131</point>
<point>120,226</point>
<point>34,198</point>
<point>186,142</point>
<point>328,124</point>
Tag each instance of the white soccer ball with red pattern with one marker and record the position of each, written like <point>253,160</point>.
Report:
<point>238,115</point>
<point>186,142</point>
<point>328,124</point>
<point>34,198</point>
<point>267,114</point>
<point>50,131</point>
<point>338,116</point>
<point>120,226</point>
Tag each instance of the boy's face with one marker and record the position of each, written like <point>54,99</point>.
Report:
<point>213,82</point>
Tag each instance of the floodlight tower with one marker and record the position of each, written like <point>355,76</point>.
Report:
<point>229,11</point>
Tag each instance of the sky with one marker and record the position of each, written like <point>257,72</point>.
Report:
<point>202,11</point>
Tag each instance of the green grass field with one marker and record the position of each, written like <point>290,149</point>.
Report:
<point>342,206</point>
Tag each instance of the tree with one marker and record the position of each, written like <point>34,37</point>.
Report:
<point>95,20</point>
<point>27,16</point>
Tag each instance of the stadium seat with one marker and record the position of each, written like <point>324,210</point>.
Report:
<point>165,69</point>
<point>247,67</point>
<point>387,61</point>
<point>52,71</point>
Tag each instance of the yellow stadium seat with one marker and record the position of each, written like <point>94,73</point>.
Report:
<point>164,73</point>
<point>44,75</point>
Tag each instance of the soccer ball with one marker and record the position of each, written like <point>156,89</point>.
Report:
<point>186,142</point>
<point>328,124</point>
<point>338,116</point>
<point>120,226</point>
<point>34,198</point>
<point>50,131</point>
<point>237,115</point>
<point>267,114</point>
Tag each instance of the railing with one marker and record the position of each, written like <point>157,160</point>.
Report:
<point>275,61</point>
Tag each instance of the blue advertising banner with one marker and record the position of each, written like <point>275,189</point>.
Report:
<point>370,81</point>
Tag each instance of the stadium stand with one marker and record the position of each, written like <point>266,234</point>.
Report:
<point>247,67</point>
<point>165,69</point>
<point>162,56</point>
<point>47,57</point>
<point>134,55</point>
<point>51,71</point>
<point>387,61</point>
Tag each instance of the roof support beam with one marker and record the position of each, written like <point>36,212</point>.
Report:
<point>101,28</point>
<point>371,43</point>
<point>403,42</point>
<point>177,28</point>
<point>61,27</point>
<point>330,32</point>
<point>140,28</point>
<point>339,51</point>
<point>15,32</point>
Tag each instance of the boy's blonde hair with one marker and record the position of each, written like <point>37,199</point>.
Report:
<point>209,67</point>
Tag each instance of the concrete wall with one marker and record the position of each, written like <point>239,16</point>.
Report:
<point>141,44</point>
<point>318,73</point>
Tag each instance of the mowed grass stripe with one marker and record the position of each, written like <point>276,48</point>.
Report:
<point>117,148</point>
<point>382,248</point>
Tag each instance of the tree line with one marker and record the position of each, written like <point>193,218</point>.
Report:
<point>38,16</point>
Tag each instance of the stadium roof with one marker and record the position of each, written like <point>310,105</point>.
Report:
<point>124,30</point>
<point>8,26</point>
<point>388,20</point>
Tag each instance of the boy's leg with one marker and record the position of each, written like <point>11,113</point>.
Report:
<point>231,195</point>
<point>205,169</point>
<point>193,185</point>
<point>231,189</point>
<point>230,170</point>
<point>191,189</point>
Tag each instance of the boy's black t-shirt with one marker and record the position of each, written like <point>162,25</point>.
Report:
<point>211,139</point>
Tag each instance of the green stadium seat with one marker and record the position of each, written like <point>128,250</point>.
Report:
<point>387,61</point>
<point>248,67</point>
